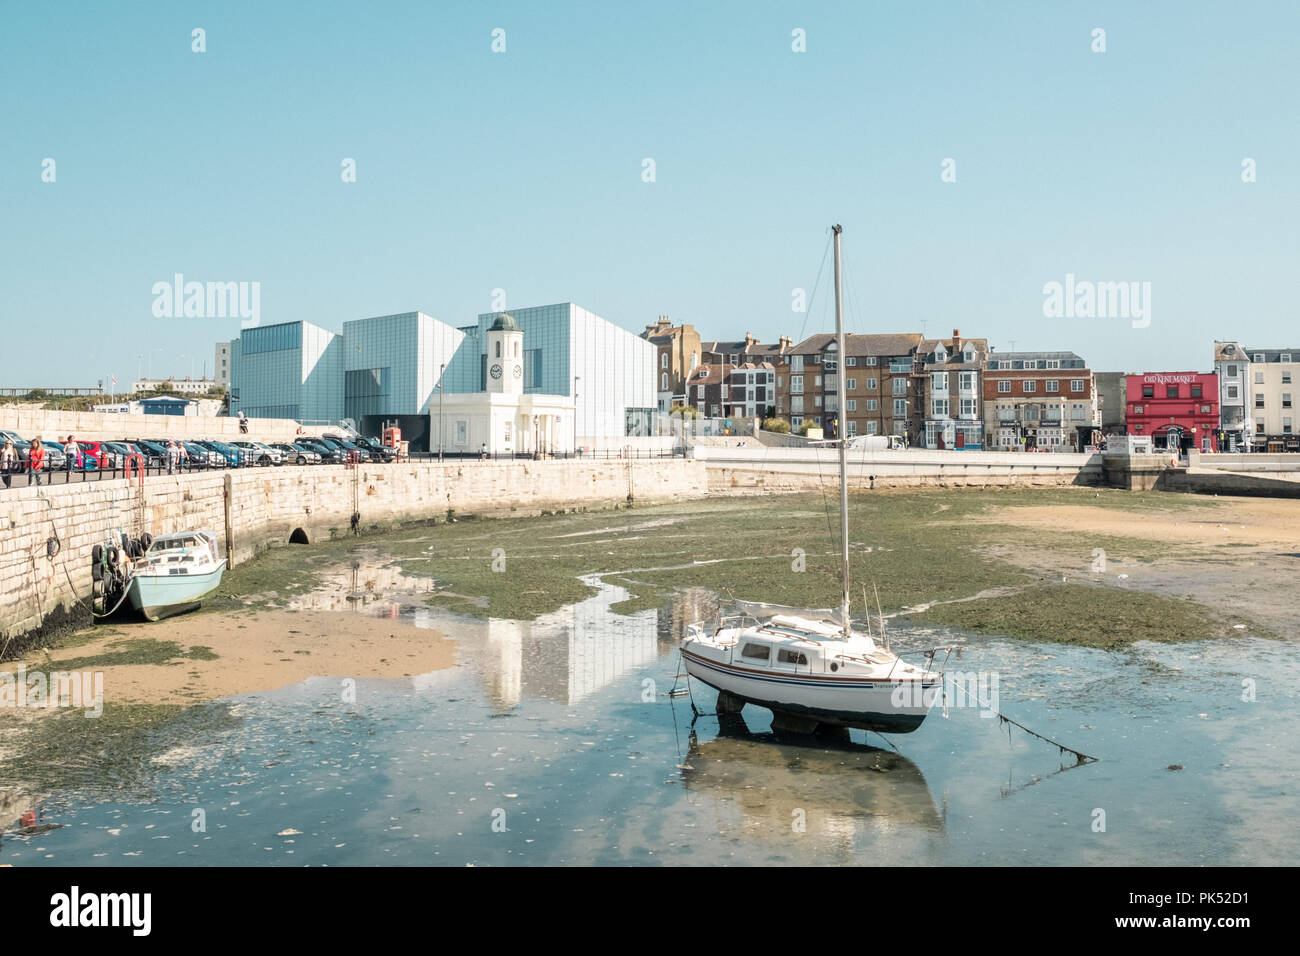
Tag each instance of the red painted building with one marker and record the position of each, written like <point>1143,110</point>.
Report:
<point>1175,409</point>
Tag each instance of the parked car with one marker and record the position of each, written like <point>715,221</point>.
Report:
<point>95,454</point>
<point>231,457</point>
<point>199,455</point>
<point>378,452</point>
<point>259,453</point>
<point>155,452</point>
<point>298,454</point>
<point>329,452</point>
<point>121,451</point>
<point>363,454</point>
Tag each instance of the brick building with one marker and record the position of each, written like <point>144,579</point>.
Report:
<point>949,375</point>
<point>1039,400</point>
<point>679,354</point>
<point>878,379</point>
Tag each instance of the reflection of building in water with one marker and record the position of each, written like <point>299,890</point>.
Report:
<point>503,668</point>
<point>840,786</point>
<point>577,650</point>
<point>563,656</point>
<point>689,606</point>
<point>379,591</point>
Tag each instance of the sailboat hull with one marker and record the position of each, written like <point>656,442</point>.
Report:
<point>165,595</point>
<point>837,701</point>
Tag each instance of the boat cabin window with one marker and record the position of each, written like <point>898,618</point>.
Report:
<point>756,652</point>
<point>791,657</point>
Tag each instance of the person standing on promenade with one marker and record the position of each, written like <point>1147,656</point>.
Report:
<point>173,456</point>
<point>8,462</point>
<point>36,460</point>
<point>243,423</point>
<point>482,452</point>
<point>72,451</point>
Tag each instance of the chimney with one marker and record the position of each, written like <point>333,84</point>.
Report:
<point>785,343</point>
<point>749,339</point>
<point>956,340</point>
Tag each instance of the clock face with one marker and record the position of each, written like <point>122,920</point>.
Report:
<point>518,372</point>
<point>496,371</point>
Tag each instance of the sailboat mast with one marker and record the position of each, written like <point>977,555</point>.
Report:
<point>840,406</point>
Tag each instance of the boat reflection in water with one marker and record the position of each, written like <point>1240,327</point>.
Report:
<point>837,784</point>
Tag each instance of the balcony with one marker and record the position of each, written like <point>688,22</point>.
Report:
<point>900,368</point>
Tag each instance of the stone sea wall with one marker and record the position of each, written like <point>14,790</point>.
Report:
<point>47,532</point>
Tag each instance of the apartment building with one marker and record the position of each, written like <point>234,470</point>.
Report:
<point>877,378</point>
<point>1039,400</point>
<point>751,390</point>
<point>949,374</point>
<point>679,356</point>
<point>1257,396</point>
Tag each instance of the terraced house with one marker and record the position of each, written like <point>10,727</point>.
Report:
<point>748,349</point>
<point>950,373</point>
<point>679,355</point>
<point>878,379</point>
<point>1039,401</point>
<point>1257,396</point>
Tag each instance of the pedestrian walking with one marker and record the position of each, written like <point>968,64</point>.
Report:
<point>243,423</point>
<point>482,452</point>
<point>173,456</point>
<point>36,460</point>
<point>72,459</point>
<point>8,462</point>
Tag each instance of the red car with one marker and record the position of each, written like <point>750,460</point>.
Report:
<point>103,458</point>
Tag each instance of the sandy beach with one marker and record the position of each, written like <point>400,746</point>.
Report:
<point>251,651</point>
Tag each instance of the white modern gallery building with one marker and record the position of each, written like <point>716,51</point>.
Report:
<point>595,377</point>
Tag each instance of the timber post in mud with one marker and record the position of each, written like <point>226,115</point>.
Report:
<point>228,494</point>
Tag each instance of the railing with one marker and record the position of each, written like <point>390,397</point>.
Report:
<point>22,476</point>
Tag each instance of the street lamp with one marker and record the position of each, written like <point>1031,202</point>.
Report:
<point>576,380</point>
<point>441,420</point>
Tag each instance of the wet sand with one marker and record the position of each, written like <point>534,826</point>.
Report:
<point>1241,556</point>
<point>255,651</point>
<point>1261,522</point>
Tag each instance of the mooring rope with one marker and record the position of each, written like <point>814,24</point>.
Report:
<point>1079,755</point>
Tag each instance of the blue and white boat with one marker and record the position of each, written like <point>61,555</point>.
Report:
<point>175,574</point>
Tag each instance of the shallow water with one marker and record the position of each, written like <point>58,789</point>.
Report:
<point>556,741</point>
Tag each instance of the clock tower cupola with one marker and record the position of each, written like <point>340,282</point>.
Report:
<point>505,356</point>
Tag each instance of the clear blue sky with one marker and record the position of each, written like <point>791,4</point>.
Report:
<point>522,170</point>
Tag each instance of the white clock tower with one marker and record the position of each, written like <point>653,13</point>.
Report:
<point>505,356</point>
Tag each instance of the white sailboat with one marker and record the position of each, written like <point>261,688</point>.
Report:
<point>812,669</point>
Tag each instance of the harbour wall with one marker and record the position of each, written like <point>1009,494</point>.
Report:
<point>49,531</point>
<point>778,470</point>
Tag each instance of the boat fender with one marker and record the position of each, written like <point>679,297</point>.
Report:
<point>97,553</point>
<point>114,555</point>
<point>146,540</point>
<point>97,572</point>
<point>97,588</point>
